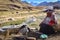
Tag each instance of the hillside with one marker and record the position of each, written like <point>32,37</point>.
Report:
<point>15,11</point>
<point>6,5</point>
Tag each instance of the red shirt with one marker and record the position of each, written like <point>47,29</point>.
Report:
<point>52,22</point>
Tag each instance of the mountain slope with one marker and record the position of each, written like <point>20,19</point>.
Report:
<point>12,5</point>
<point>43,4</point>
<point>49,3</point>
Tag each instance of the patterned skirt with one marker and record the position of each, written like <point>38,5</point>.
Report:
<point>46,29</point>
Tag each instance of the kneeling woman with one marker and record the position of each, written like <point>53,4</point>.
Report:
<point>46,25</point>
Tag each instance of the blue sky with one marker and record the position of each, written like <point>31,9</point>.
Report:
<point>39,1</point>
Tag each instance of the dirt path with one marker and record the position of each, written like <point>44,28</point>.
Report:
<point>55,37</point>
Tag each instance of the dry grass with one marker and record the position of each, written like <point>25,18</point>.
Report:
<point>22,16</point>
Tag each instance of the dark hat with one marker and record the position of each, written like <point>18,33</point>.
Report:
<point>48,10</point>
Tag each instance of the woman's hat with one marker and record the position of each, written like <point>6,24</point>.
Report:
<point>49,9</point>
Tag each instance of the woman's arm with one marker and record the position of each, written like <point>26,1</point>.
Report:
<point>54,18</point>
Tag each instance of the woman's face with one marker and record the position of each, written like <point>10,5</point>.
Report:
<point>49,14</point>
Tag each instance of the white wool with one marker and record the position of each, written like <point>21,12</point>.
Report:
<point>24,30</point>
<point>50,7</point>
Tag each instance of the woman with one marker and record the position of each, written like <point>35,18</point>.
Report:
<point>47,24</point>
